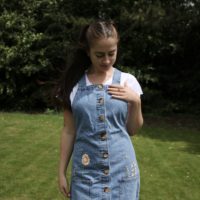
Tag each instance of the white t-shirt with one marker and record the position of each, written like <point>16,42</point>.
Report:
<point>125,77</point>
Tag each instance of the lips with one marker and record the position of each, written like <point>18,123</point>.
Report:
<point>105,66</point>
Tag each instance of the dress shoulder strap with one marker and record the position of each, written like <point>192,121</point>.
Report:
<point>116,76</point>
<point>82,81</point>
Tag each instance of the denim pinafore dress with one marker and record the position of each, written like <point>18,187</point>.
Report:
<point>104,165</point>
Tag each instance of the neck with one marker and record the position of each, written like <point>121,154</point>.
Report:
<point>93,71</point>
<point>99,77</point>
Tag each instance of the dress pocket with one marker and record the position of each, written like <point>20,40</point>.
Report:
<point>129,188</point>
<point>80,189</point>
<point>129,184</point>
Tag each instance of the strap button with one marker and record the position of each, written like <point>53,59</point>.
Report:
<point>100,86</point>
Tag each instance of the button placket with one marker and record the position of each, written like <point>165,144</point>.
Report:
<point>103,136</point>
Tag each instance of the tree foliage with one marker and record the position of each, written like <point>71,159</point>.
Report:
<point>159,43</point>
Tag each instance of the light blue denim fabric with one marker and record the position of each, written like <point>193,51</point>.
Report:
<point>104,165</point>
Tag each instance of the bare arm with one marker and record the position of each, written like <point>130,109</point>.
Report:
<point>135,119</point>
<point>66,147</point>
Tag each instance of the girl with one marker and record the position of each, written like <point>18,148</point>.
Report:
<point>102,109</point>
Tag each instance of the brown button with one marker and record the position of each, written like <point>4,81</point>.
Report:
<point>106,189</point>
<point>106,171</point>
<point>85,159</point>
<point>101,118</point>
<point>101,100</point>
<point>105,155</point>
<point>103,136</point>
<point>100,86</point>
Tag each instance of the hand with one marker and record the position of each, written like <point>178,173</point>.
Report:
<point>64,186</point>
<point>124,93</point>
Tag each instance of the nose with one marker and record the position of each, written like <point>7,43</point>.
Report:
<point>106,60</point>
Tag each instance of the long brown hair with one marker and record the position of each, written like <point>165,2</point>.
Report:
<point>80,60</point>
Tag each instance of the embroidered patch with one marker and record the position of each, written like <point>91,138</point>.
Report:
<point>131,170</point>
<point>85,159</point>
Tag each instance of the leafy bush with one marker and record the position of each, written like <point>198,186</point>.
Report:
<point>159,44</point>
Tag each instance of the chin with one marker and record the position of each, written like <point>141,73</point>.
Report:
<point>106,67</point>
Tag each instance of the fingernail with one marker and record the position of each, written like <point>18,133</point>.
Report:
<point>68,195</point>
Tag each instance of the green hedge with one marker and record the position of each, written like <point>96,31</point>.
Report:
<point>160,45</point>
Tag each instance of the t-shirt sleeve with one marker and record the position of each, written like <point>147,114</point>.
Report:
<point>73,93</point>
<point>132,82</point>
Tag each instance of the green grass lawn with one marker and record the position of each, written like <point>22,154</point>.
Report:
<point>168,153</point>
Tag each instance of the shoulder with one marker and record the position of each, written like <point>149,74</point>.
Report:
<point>128,76</point>
<point>131,81</point>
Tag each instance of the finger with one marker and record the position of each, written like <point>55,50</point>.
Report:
<point>68,195</point>
<point>119,90</point>
<point>64,191</point>
<point>115,86</point>
<point>113,90</point>
<point>118,93</point>
<point>118,97</point>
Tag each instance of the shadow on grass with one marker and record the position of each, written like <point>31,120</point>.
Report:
<point>174,129</point>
